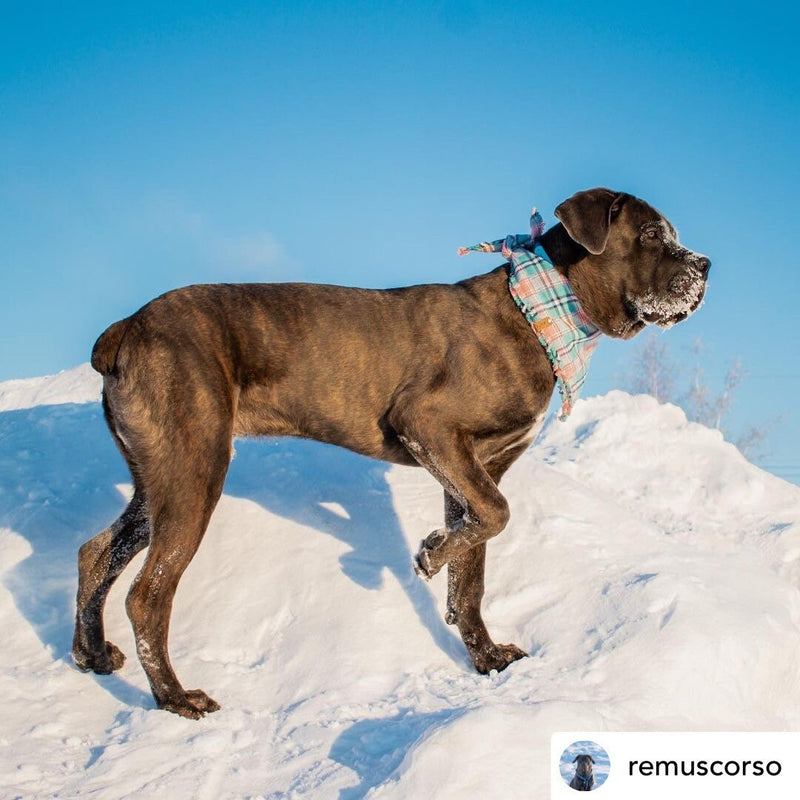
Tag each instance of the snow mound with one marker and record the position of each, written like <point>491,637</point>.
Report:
<point>78,385</point>
<point>647,569</point>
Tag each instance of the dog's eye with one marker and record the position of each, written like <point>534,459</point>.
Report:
<point>651,234</point>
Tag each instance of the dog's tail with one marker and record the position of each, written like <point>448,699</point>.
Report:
<point>104,352</point>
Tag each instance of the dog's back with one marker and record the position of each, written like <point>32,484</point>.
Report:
<point>322,362</point>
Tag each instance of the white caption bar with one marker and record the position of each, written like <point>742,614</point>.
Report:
<point>623,766</point>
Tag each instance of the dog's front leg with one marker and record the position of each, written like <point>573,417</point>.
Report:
<point>448,454</point>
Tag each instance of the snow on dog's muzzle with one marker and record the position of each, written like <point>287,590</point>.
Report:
<point>684,295</point>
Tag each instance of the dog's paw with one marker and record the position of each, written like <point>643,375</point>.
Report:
<point>103,663</point>
<point>422,564</point>
<point>426,563</point>
<point>497,656</point>
<point>435,539</point>
<point>192,704</point>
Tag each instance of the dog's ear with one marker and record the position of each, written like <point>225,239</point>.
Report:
<point>592,760</point>
<point>586,216</point>
<point>575,759</point>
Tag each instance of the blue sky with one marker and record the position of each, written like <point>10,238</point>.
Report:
<point>147,147</point>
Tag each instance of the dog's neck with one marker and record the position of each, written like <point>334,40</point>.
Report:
<point>585,778</point>
<point>568,257</point>
<point>562,250</point>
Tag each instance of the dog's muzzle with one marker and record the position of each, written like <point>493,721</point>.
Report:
<point>683,296</point>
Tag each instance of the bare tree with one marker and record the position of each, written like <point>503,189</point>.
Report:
<point>751,443</point>
<point>701,405</point>
<point>653,372</point>
<point>697,401</point>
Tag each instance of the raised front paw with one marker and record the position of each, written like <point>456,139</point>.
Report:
<point>426,562</point>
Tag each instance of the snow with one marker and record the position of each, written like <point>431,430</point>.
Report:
<point>648,569</point>
<point>79,385</point>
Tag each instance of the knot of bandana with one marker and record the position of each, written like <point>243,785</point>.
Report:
<point>550,306</point>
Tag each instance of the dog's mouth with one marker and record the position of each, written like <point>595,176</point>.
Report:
<point>683,297</point>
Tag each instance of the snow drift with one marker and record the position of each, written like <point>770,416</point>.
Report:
<point>649,570</point>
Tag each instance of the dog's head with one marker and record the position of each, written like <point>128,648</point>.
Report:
<point>631,269</point>
<point>584,762</point>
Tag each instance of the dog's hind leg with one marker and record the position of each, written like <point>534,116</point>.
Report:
<point>180,509</point>
<point>100,562</point>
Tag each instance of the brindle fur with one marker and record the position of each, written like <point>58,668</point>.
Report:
<point>450,377</point>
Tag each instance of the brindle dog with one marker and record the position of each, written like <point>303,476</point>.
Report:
<point>450,377</point>
<point>583,779</point>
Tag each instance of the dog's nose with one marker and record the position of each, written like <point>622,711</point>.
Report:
<point>704,265</point>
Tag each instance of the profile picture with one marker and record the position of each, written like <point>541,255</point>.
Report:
<point>584,766</point>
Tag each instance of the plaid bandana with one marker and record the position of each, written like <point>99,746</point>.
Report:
<point>546,299</point>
